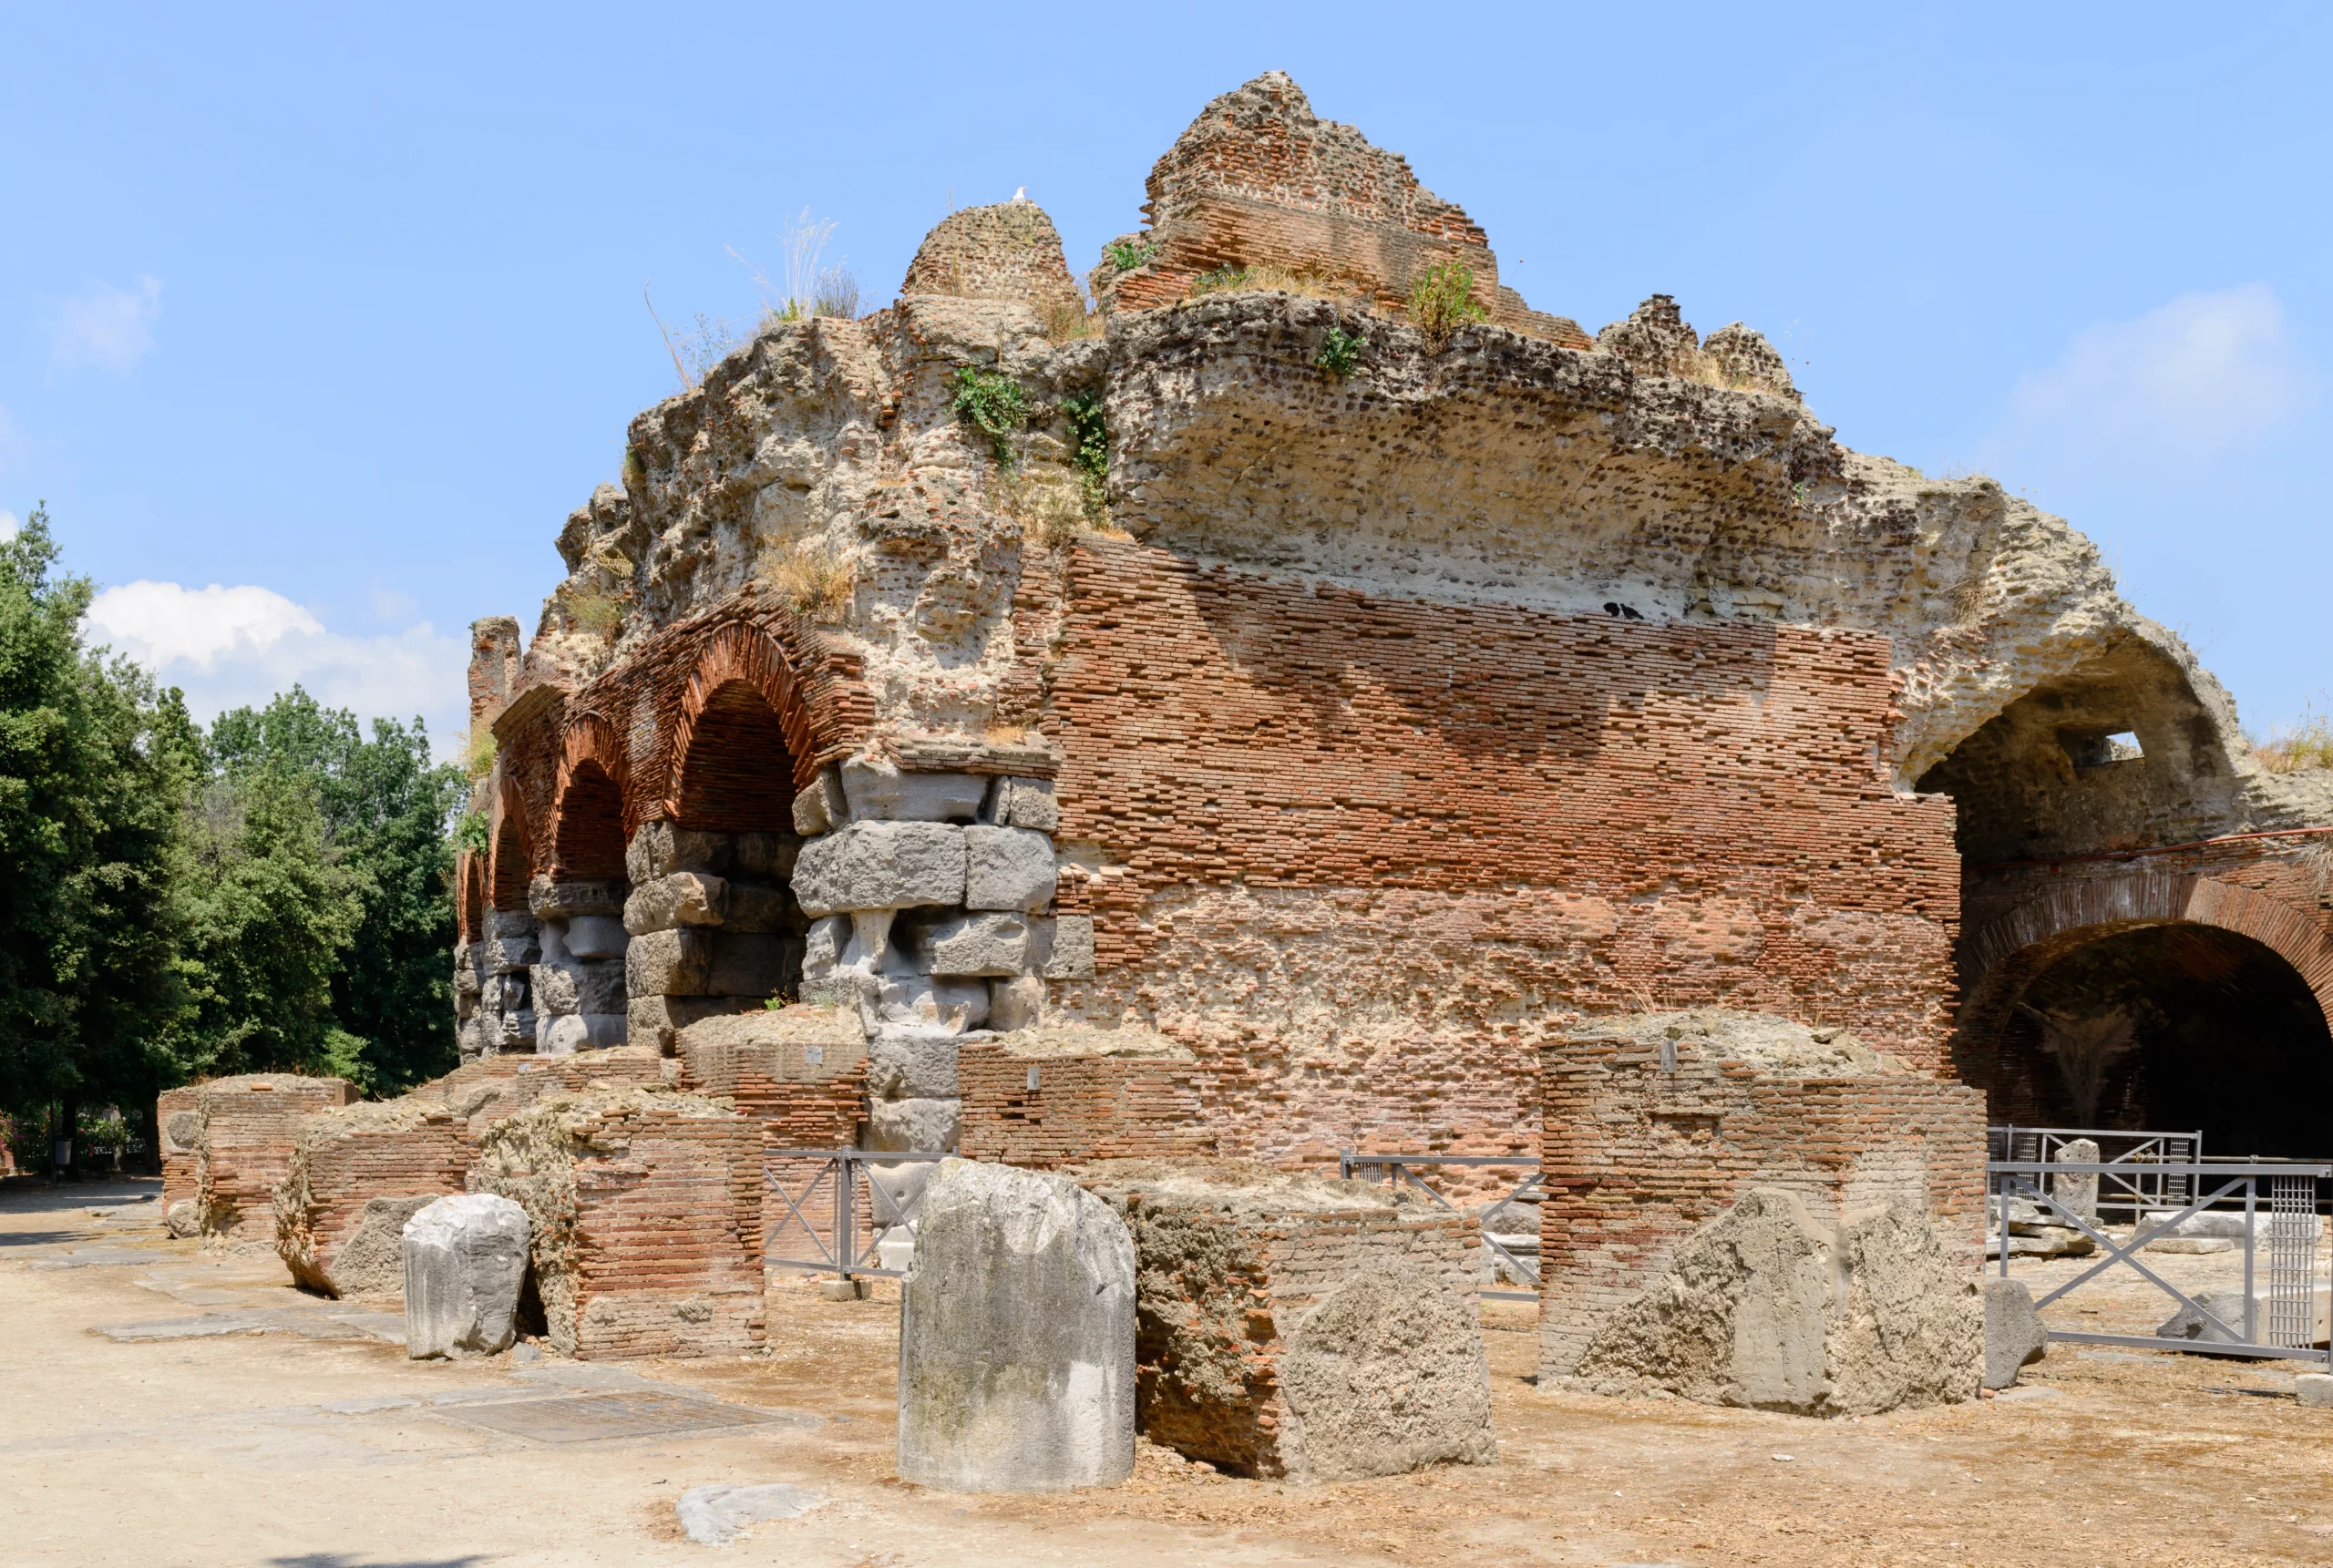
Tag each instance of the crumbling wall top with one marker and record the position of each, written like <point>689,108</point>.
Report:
<point>1009,251</point>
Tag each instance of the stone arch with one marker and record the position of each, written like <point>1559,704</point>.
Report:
<point>513,853</point>
<point>2216,999</point>
<point>589,821</point>
<point>744,696</point>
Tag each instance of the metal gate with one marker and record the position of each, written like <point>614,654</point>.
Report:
<point>2285,1329</point>
<point>827,1211</point>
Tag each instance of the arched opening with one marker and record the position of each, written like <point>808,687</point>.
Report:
<point>2161,1027</point>
<point>588,845</point>
<point>470,876</point>
<point>737,776</point>
<point>510,871</point>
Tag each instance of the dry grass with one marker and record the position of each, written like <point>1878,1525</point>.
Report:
<point>600,613</point>
<point>1065,321</point>
<point>2306,743</point>
<point>1262,279</point>
<point>812,580</point>
<point>479,756</point>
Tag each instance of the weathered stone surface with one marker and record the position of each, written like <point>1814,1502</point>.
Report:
<point>659,849</point>
<point>715,1515</point>
<point>513,954</point>
<point>823,981</point>
<point>922,1002</point>
<point>511,925</point>
<point>1387,1375</point>
<point>914,1125</point>
<point>985,943</point>
<point>759,905</point>
<point>1766,1306</point>
<point>1016,1004</point>
<point>183,1219</point>
<point>683,898</point>
<point>822,805</point>
<point>1024,803</point>
<point>1008,868</point>
<point>550,900</point>
<point>2228,1307</point>
<point>2078,1195</point>
<point>371,1262</point>
<point>1016,1336</point>
<point>764,857</point>
<point>2314,1389</point>
<point>882,793</point>
<point>570,1032</point>
<point>464,1259</point>
<point>1072,954</point>
<point>881,866</point>
<point>673,963</point>
<point>911,1066</point>
<point>746,964</point>
<point>2015,1335</point>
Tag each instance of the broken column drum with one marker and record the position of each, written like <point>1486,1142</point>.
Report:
<point>465,1261</point>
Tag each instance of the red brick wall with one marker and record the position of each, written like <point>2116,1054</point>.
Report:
<point>1361,848</point>
<point>345,1159</point>
<point>249,1126</point>
<point>182,1162</point>
<point>1637,1159</point>
<point>1082,1108</point>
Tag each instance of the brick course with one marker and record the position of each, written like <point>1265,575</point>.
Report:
<point>1082,1108</point>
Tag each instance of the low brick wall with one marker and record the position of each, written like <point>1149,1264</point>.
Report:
<point>1230,1258</point>
<point>1638,1157</point>
<point>176,1111</point>
<point>1042,1112</point>
<point>242,1134</point>
<point>646,1207</point>
<point>356,1174</point>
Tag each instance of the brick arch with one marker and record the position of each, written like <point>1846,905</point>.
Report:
<point>590,816</point>
<point>742,655</point>
<point>469,895</point>
<point>1996,961</point>
<point>512,862</point>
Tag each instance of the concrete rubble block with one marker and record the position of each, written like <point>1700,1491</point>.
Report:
<point>989,942</point>
<point>1022,803</point>
<point>1300,1327</point>
<point>550,900</point>
<point>912,1065</point>
<point>594,938</point>
<point>675,963</point>
<point>821,806</point>
<point>913,1002</point>
<point>683,898</point>
<point>2015,1336</point>
<point>1008,868</point>
<point>1072,954</point>
<point>759,905</point>
<point>1016,1004</point>
<point>921,1124</point>
<point>464,1259</point>
<point>2314,1389</point>
<point>881,866</point>
<point>880,792</point>
<point>659,849</point>
<point>2228,1225</point>
<point>748,964</point>
<point>1768,1307</point>
<point>2078,1195</point>
<point>1016,1336</point>
<point>2228,1307</point>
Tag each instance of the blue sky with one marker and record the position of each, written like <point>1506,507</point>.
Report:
<point>339,314</point>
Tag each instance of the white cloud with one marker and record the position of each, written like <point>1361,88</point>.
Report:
<point>106,326</point>
<point>8,526</point>
<point>2201,378</point>
<point>232,647</point>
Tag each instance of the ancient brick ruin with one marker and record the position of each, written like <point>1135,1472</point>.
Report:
<point>1259,751</point>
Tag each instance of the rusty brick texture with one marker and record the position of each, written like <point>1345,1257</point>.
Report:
<point>1044,1112</point>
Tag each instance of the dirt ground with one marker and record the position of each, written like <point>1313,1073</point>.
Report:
<point>227,1419</point>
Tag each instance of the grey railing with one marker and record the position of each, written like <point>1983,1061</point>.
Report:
<point>834,1187</point>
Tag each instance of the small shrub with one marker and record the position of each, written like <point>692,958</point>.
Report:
<point>1126,255</point>
<point>470,833</point>
<point>480,761</point>
<point>993,404</point>
<point>635,472</point>
<point>814,582</point>
<point>1442,301</point>
<point>2307,743</point>
<point>1090,455</point>
<point>1339,351</point>
<point>1218,281</point>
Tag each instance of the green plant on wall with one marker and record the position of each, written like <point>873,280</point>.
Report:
<point>1339,351</point>
<point>470,833</point>
<point>1092,444</point>
<point>993,404</point>
<point>1441,301</point>
<point>1126,255</point>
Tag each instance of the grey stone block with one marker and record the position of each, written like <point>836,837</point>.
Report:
<point>758,907</point>
<point>1016,1336</point>
<point>987,943</point>
<point>2014,1334</point>
<point>600,988</point>
<point>554,989</point>
<point>509,924</point>
<point>507,993</point>
<point>1022,803</point>
<point>821,807</point>
<point>764,857</point>
<point>551,900</point>
<point>1072,954</point>
<point>465,1257</point>
<point>912,1066</point>
<point>683,898</point>
<point>1015,1004</point>
<point>518,1031</point>
<point>920,1001</point>
<point>714,1515</point>
<point>878,792</point>
<point>571,1032</point>
<point>1007,868</point>
<point>659,849</point>
<point>512,954</point>
<point>881,866</point>
<point>592,937</point>
<point>669,963</point>
<point>922,1125</point>
<point>465,1003</point>
<point>2314,1389</point>
<point>465,980</point>
<point>822,951</point>
<point>746,964</point>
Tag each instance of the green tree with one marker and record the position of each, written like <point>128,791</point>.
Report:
<point>92,762</point>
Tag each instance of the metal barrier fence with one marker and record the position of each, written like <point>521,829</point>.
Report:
<point>837,1209</point>
<point>2286,1331</point>
<point>2140,1185</point>
<point>1401,1168</point>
